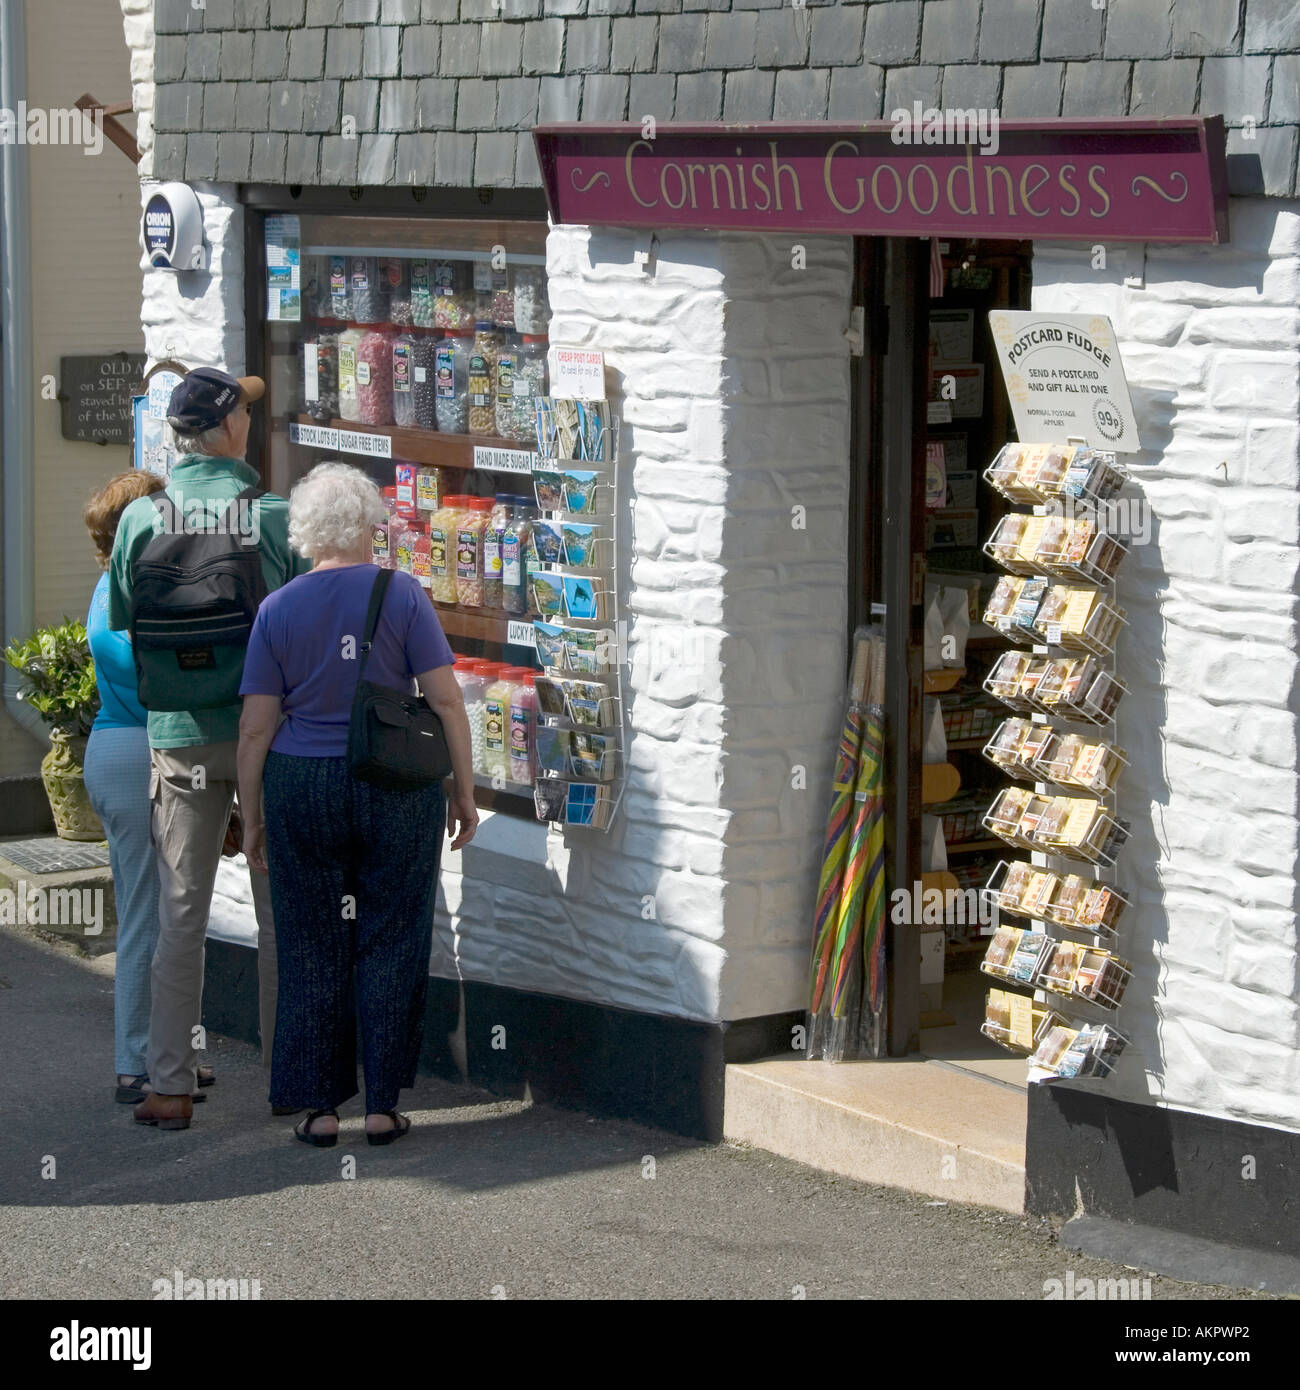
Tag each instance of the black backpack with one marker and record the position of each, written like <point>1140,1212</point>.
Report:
<point>194,595</point>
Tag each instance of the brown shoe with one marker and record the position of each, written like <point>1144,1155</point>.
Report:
<point>167,1112</point>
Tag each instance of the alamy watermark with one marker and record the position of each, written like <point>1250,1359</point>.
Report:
<point>198,516</point>
<point>929,125</point>
<point>28,905</point>
<point>39,125</point>
<point>180,1286</point>
<point>920,906</point>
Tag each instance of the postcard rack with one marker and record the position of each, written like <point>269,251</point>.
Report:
<point>573,576</point>
<point>1057,607</point>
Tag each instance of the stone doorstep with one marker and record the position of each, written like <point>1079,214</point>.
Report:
<point>891,1123</point>
<point>11,875</point>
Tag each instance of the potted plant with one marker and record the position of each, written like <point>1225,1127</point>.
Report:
<point>57,678</point>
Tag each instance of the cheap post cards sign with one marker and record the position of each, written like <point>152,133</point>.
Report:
<point>1065,379</point>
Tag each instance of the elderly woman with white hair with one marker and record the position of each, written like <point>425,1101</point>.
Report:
<point>353,866</point>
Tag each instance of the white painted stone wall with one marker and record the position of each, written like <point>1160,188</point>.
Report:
<point>731,372</point>
<point>137,24</point>
<point>1211,346</point>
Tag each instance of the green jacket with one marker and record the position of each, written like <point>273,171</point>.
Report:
<point>213,481</point>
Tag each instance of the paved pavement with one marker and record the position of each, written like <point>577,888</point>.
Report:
<point>484,1198</point>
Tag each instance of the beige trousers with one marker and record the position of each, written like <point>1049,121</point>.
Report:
<point>191,791</point>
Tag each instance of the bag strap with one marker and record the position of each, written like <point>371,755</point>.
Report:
<point>249,494</point>
<point>167,508</point>
<point>377,593</point>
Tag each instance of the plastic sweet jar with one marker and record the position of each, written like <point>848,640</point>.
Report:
<point>443,525</point>
<point>492,540</point>
<point>402,537</point>
<point>349,404</point>
<point>420,554</point>
<point>421,293</point>
<point>375,375</point>
<point>403,372</point>
<point>369,302</point>
<point>381,536</point>
<point>453,307</point>
<point>496,723</point>
<point>532,312</point>
<point>452,382</point>
<point>319,359</point>
<point>502,302</point>
<point>516,594</point>
<point>522,740</point>
<point>395,281</point>
<point>424,379</point>
<point>430,485</point>
<point>404,481</point>
<point>484,353</point>
<point>521,380</point>
<point>469,672</point>
<point>336,291</point>
<point>469,551</point>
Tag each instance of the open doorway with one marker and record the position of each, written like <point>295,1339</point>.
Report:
<point>930,413</point>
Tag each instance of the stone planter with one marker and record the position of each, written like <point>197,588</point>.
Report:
<point>65,785</point>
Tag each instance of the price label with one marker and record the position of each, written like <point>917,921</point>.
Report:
<point>311,370</point>
<point>577,374</point>
<point>1053,634</point>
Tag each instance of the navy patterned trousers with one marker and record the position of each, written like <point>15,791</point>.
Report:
<point>353,872</point>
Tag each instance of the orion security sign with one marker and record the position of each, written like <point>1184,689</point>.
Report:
<point>1125,180</point>
<point>1065,378</point>
<point>172,228</point>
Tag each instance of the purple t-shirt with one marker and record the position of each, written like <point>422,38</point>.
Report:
<point>300,650</point>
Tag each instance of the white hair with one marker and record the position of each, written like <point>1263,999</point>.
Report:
<point>331,509</point>
<point>207,442</point>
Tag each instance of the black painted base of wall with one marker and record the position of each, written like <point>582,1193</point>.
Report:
<point>660,1071</point>
<point>24,807</point>
<point>1171,1172</point>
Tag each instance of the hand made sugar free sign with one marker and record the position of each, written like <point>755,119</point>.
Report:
<point>1068,180</point>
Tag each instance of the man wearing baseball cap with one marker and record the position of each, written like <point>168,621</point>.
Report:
<point>193,779</point>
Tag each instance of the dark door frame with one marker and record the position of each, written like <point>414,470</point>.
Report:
<point>887,558</point>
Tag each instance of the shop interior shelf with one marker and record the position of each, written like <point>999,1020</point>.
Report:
<point>974,846</point>
<point>480,627</point>
<point>428,446</point>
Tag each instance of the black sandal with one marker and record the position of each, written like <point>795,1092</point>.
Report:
<point>401,1126</point>
<point>321,1141</point>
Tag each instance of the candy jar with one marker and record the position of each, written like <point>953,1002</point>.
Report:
<point>442,549</point>
<point>368,299</point>
<point>375,376</point>
<point>339,289</point>
<point>473,680</point>
<point>521,382</point>
<point>453,358</point>
<point>420,554</point>
<point>522,740</point>
<point>349,403</point>
<point>320,376</point>
<point>492,550</point>
<point>531,311</point>
<point>421,294</point>
<point>469,551</point>
<point>515,596</point>
<point>484,353</point>
<point>496,723</point>
<point>404,379</point>
<point>395,281</point>
<point>424,379</point>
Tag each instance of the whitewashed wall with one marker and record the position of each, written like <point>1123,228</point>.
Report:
<point>731,371</point>
<point>1211,345</point>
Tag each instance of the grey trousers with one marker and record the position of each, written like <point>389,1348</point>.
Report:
<point>191,791</point>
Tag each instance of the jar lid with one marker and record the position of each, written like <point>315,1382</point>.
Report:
<point>533,337</point>
<point>482,504</point>
<point>391,491</point>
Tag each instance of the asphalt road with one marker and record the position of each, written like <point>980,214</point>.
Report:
<point>485,1198</point>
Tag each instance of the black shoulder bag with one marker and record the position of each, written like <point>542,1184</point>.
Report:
<point>394,739</point>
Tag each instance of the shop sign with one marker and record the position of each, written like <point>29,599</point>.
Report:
<point>1124,180</point>
<point>577,374</point>
<point>95,395</point>
<point>504,460</point>
<point>1065,378</point>
<point>521,634</point>
<point>378,446</point>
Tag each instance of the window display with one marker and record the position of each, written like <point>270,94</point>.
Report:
<point>418,352</point>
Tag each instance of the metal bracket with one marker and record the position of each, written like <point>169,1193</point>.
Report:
<point>855,334</point>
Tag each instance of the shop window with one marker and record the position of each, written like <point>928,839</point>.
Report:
<point>415,349</point>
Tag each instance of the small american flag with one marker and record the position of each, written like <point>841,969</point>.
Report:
<point>936,270</point>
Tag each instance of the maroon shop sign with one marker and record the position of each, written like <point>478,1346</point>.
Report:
<point>1126,180</point>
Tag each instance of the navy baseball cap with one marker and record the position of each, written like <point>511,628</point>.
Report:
<point>206,396</point>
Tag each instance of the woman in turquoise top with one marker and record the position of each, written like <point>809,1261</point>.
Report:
<point>117,769</point>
